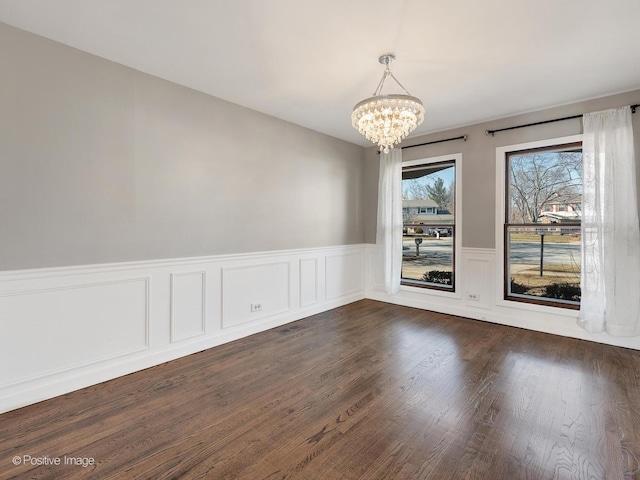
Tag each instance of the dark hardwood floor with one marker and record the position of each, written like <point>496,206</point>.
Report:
<point>366,391</point>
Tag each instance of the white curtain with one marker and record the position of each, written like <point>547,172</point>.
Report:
<point>610,233</point>
<point>389,232</point>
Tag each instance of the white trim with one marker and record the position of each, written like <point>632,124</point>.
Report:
<point>33,273</point>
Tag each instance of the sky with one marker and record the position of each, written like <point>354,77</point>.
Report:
<point>447,175</point>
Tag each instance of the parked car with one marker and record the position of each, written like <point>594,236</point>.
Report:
<point>443,231</point>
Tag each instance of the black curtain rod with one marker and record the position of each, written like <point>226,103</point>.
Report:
<point>461,137</point>
<point>492,132</point>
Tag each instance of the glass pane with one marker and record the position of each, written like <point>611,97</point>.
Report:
<point>544,262</point>
<point>545,187</point>
<point>429,224</point>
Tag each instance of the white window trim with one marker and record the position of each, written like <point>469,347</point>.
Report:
<point>500,215</point>
<point>457,158</point>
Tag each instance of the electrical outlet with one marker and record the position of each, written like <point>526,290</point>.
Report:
<point>473,296</point>
<point>256,307</point>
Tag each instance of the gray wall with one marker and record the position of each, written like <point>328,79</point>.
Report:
<point>479,160</point>
<point>101,163</point>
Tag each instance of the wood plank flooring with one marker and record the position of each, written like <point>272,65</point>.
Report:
<point>366,391</point>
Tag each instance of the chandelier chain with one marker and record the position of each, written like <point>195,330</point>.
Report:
<point>388,73</point>
<point>398,82</point>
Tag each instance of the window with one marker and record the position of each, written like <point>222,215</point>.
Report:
<point>428,244</point>
<point>543,244</point>
<point>427,210</point>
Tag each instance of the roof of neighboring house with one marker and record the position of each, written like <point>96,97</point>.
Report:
<point>426,202</point>
<point>562,215</point>
<point>565,200</point>
<point>432,219</point>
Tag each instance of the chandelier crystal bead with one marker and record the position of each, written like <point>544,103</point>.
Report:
<point>387,119</point>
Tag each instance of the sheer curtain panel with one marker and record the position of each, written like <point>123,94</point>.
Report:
<point>389,232</point>
<point>610,233</point>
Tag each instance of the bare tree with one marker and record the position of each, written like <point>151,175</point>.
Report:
<point>413,189</point>
<point>452,197</point>
<point>407,216</point>
<point>541,178</point>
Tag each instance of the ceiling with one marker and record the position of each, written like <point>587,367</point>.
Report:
<point>310,61</point>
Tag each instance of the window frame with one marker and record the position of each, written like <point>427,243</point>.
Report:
<point>454,291</point>
<point>502,178</point>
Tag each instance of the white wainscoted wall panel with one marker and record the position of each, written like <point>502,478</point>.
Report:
<point>477,270</point>
<point>308,281</point>
<point>188,305</point>
<point>344,275</point>
<point>71,326</point>
<point>67,328</point>
<point>253,292</point>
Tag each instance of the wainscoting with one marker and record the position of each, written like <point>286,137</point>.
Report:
<point>68,328</point>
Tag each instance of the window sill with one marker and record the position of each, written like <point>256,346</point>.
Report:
<point>566,305</point>
<point>547,308</point>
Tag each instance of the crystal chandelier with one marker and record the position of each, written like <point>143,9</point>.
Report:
<point>387,119</point>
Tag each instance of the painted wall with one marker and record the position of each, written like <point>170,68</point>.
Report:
<point>479,161</point>
<point>101,163</point>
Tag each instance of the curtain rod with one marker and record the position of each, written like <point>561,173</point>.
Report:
<point>461,137</point>
<point>493,132</point>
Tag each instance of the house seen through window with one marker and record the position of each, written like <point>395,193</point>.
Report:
<point>542,225</point>
<point>428,210</point>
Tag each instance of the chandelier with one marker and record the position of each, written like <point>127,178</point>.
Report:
<point>387,119</point>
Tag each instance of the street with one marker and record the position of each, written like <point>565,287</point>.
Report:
<point>438,253</point>
<point>554,253</point>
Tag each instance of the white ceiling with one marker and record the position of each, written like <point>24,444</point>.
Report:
<point>309,62</point>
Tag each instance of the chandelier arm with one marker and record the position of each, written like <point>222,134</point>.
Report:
<point>386,73</point>
<point>398,82</point>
